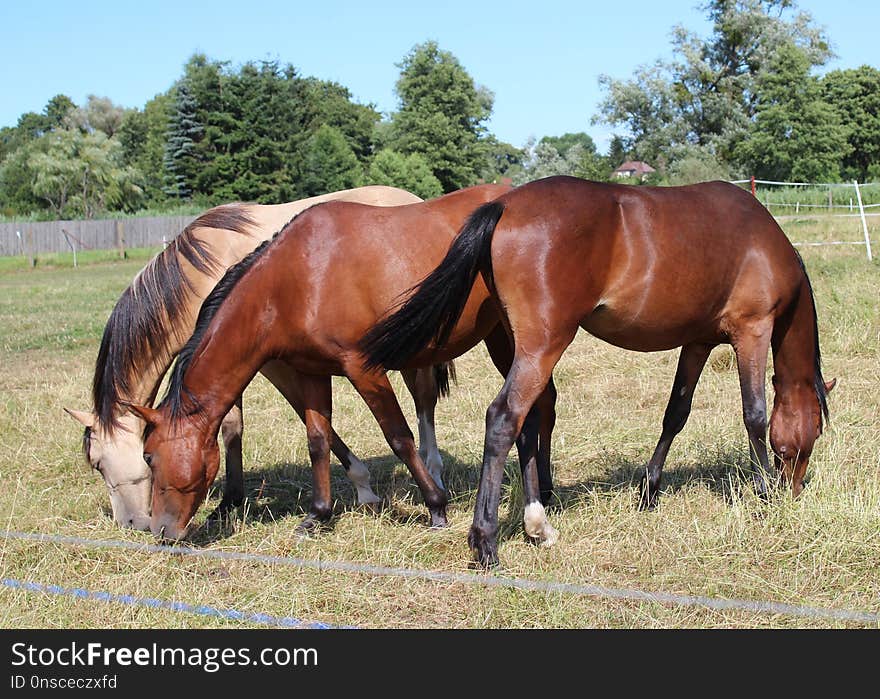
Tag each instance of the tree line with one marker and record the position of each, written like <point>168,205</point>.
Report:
<point>746,101</point>
<point>742,101</point>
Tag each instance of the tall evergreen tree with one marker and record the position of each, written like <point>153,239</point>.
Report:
<point>441,115</point>
<point>329,164</point>
<point>184,129</point>
<point>330,103</point>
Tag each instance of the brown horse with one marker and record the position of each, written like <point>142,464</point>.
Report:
<point>306,298</point>
<point>153,319</point>
<point>642,268</point>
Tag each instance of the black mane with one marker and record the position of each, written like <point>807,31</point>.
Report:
<point>176,390</point>
<point>137,332</point>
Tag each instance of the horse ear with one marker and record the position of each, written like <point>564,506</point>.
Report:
<point>149,415</point>
<point>829,385</point>
<point>86,419</point>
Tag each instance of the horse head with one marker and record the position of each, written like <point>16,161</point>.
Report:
<point>184,458</point>
<point>795,425</point>
<point>118,456</point>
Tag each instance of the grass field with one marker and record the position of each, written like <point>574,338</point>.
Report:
<point>710,536</point>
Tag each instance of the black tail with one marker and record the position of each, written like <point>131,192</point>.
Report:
<point>434,308</point>
<point>443,375</point>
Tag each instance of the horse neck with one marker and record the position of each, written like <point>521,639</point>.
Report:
<point>225,361</point>
<point>795,342</point>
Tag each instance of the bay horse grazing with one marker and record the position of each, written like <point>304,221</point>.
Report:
<point>153,319</point>
<point>307,297</point>
<point>644,268</point>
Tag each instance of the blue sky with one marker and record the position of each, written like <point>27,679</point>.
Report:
<point>540,58</point>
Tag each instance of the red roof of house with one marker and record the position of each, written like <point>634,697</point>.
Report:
<point>636,166</point>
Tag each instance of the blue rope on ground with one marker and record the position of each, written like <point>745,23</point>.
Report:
<point>170,605</point>
<point>718,604</point>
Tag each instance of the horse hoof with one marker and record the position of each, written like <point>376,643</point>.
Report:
<point>648,497</point>
<point>549,537</point>
<point>484,549</point>
<point>648,504</point>
<point>538,529</point>
<point>308,527</point>
<point>372,507</point>
<point>438,519</point>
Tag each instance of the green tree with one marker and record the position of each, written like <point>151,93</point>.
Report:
<point>706,96</point>
<point>648,107</point>
<point>796,134</point>
<point>617,152</point>
<point>579,151</point>
<point>82,174</point>
<point>142,135</point>
<point>17,177</point>
<point>32,126</point>
<point>331,104</point>
<point>329,164</point>
<point>697,164</point>
<point>855,96</point>
<point>57,109</point>
<point>441,115</point>
<point>256,121</point>
<point>564,143</point>
<point>184,129</point>
<point>410,172</point>
<point>502,160</point>
<point>578,157</point>
<point>99,114</point>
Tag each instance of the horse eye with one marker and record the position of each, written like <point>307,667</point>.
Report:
<point>149,459</point>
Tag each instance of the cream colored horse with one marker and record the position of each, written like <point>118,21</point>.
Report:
<point>154,318</point>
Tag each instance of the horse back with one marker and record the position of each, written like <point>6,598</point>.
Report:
<point>643,267</point>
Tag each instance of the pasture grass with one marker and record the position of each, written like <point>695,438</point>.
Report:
<point>710,536</point>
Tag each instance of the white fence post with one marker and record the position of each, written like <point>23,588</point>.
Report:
<point>864,222</point>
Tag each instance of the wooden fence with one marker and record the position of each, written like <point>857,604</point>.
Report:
<point>40,237</point>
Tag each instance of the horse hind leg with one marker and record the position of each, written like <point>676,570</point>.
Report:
<point>377,393</point>
<point>535,522</point>
<point>424,390</point>
<point>751,346</point>
<point>528,377</point>
<point>287,380</point>
<point>546,405</point>
<point>691,361</point>
<point>500,347</point>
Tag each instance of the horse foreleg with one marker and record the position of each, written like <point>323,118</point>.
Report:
<point>287,380</point>
<point>691,361</point>
<point>231,430</point>
<point>424,391</point>
<point>379,397</point>
<point>751,347</point>
<point>317,403</point>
